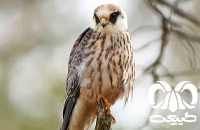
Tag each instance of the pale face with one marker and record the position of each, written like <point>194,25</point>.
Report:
<point>110,20</point>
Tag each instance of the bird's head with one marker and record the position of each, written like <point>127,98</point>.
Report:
<point>109,18</point>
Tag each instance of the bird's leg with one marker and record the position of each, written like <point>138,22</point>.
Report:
<point>107,103</point>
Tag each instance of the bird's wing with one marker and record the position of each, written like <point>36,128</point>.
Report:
<point>73,86</point>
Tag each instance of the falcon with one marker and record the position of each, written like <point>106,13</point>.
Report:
<point>101,65</point>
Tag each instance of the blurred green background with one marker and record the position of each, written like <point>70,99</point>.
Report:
<point>36,37</point>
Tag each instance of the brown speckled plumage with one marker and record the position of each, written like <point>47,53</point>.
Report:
<point>100,63</point>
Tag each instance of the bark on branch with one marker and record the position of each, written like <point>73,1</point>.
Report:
<point>104,120</point>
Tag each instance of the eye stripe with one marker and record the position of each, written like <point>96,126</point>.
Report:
<point>113,17</point>
<point>96,19</point>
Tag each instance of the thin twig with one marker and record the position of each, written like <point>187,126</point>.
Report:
<point>180,12</point>
<point>146,44</point>
<point>164,41</point>
<point>184,35</point>
<point>181,73</point>
<point>150,27</point>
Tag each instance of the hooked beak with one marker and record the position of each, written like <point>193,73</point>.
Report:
<point>104,22</point>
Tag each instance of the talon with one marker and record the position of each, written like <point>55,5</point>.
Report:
<point>113,119</point>
<point>108,110</point>
<point>105,101</point>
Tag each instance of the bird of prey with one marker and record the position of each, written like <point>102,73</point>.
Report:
<point>101,64</point>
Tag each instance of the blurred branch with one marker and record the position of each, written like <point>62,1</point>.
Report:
<point>142,28</point>
<point>147,44</point>
<point>184,35</point>
<point>181,73</point>
<point>164,41</point>
<point>180,12</point>
<point>169,26</point>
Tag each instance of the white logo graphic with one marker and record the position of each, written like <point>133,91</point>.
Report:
<point>173,102</point>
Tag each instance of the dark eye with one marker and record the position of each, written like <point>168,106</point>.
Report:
<point>113,17</point>
<point>96,18</point>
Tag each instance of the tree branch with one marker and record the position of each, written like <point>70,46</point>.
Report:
<point>180,12</point>
<point>181,73</point>
<point>147,44</point>
<point>104,120</point>
<point>185,35</point>
<point>164,41</point>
